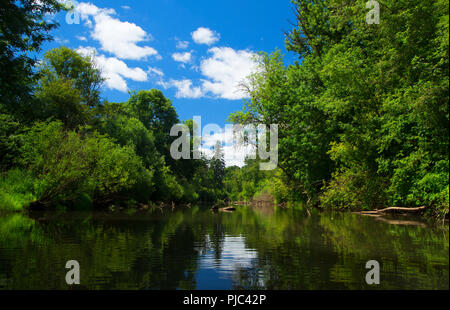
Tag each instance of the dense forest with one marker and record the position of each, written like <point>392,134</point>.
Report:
<point>363,115</point>
<point>363,118</point>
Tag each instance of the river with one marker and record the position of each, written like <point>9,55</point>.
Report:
<point>195,248</point>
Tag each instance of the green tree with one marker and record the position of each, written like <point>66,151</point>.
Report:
<point>157,114</point>
<point>68,86</point>
<point>366,110</point>
<point>217,164</point>
<point>9,141</point>
<point>67,165</point>
<point>23,29</point>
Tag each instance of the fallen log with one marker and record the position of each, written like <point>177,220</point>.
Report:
<point>228,209</point>
<point>395,210</point>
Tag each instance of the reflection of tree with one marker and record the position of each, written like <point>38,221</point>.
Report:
<point>411,256</point>
<point>130,253</point>
<point>217,238</point>
<point>247,278</point>
<point>162,250</point>
<point>329,251</point>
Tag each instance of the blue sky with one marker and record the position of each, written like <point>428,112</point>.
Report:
<point>229,32</point>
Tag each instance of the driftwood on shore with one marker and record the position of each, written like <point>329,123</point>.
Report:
<point>394,210</point>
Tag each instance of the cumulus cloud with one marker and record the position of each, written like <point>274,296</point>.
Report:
<point>116,37</point>
<point>182,57</point>
<point>205,36</point>
<point>114,71</point>
<point>225,70</point>
<point>222,74</point>
<point>184,88</point>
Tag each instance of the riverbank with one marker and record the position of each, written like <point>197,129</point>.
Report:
<point>15,196</point>
<point>266,199</point>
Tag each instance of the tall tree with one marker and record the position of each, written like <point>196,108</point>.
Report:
<point>68,86</point>
<point>157,114</point>
<point>218,164</point>
<point>366,110</point>
<point>23,28</point>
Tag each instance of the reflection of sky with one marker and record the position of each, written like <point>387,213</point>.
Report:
<point>216,273</point>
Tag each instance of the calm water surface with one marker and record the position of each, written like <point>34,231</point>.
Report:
<point>252,248</point>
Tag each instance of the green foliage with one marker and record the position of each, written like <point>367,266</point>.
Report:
<point>364,119</point>
<point>67,165</point>
<point>277,188</point>
<point>130,131</point>
<point>68,87</point>
<point>248,182</point>
<point>95,154</point>
<point>68,64</point>
<point>156,113</point>
<point>217,164</point>
<point>23,29</point>
<point>9,141</point>
<point>16,190</point>
<point>233,182</point>
<point>288,97</point>
<point>354,190</point>
<point>168,186</point>
<point>62,101</point>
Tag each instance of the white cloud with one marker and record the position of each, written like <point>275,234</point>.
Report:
<point>87,9</point>
<point>222,74</point>
<point>81,38</point>
<point>184,88</point>
<point>235,155</point>
<point>116,37</point>
<point>115,71</point>
<point>182,45</point>
<point>225,69</point>
<point>182,57</point>
<point>125,7</point>
<point>155,71</point>
<point>205,36</point>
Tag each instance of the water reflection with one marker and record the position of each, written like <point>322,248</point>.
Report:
<point>252,248</point>
<point>232,257</point>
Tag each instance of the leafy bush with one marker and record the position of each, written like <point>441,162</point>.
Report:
<point>278,189</point>
<point>418,180</point>
<point>67,165</point>
<point>353,190</point>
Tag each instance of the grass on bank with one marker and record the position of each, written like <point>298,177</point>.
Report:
<point>16,190</point>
